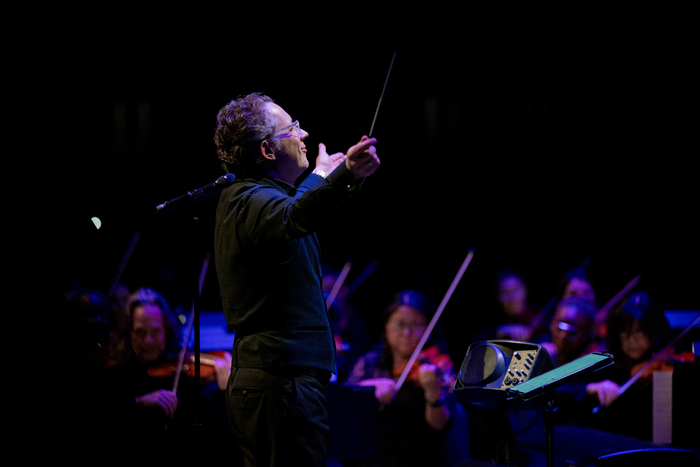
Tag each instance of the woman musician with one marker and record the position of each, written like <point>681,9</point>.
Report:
<point>417,422</point>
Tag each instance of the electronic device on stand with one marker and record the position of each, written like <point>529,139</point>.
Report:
<point>501,375</point>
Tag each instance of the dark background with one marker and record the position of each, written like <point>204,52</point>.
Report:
<point>538,146</point>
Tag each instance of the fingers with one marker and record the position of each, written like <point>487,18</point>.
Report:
<point>167,400</point>
<point>362,159</point>
<point>607,391</point>
<point>385,391</point>
<point>427,377</point>
<point>170,404</point>
<point>163,399</point>
<point>365,146</point>
<point>337,157</point>
<point>384,388</point>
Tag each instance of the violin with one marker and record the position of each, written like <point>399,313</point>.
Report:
<point>661,359</point>
<point>430,355</point>
<point>665,361</point>
<point>214,366</point>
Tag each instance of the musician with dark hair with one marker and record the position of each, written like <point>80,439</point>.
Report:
<point>149,418</point>
<point>637,330</point>
<point>420,423</point>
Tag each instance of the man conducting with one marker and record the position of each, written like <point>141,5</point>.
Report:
<point>268,264</point>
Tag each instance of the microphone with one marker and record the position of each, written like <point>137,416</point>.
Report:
<point>199,194</point>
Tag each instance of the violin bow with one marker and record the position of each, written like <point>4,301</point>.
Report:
<point>122,265</point>
<point>338,284</point>
<point>346,269</point>
<point>362,277</point>
<point>547,308</point>
<point>436,317</point>
<point>624,291</point>
<point>649,362</point>
<point>658,354</point>
<point>190,325</point>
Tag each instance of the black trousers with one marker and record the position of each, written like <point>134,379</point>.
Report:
<point>278,418</point>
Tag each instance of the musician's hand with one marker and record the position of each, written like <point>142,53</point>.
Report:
<point>605,390</point>
<point>362,158</point>
<point>384,388</point>
<point>429,381</point>
<point>163,399</point>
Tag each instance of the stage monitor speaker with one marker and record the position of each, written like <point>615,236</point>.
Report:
<point>492,367</point>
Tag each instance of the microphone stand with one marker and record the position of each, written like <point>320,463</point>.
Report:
<point>192,197</point>
<point>187,200</point>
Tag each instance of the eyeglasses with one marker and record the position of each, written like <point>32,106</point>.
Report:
<point>414,328</point>
<point>290,130</point>
<point>567,327</point>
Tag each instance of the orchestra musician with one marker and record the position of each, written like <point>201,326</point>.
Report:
<point>577,283</point>
<point>420,423</point>
<point>572,336</point>
<point>148,420</point>
<point>514,317</point>
<point>637,331</point>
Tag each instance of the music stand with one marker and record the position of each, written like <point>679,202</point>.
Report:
<point>546,383</point>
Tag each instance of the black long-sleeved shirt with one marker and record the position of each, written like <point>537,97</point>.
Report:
<point>269,268</point>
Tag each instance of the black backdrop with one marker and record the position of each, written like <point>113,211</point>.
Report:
<point>537,150</point>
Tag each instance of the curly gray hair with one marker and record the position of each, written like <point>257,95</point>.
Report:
<point>241,125</point>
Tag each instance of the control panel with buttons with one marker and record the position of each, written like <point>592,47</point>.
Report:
<point>520,368</point>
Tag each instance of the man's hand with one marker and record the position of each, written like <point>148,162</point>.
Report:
<point>327,163</point>
<point>362,158</point>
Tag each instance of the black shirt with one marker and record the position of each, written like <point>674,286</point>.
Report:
<point>269,269</point>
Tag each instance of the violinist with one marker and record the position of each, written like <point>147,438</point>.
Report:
<point>417,422</point>
<point>577,283</point>
<point>572,336</point>
<point>571,333</point>
<point>147,418</point>
<point>637,330</point>
<point>513,317</point>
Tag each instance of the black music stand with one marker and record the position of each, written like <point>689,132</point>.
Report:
<point>534,390</point>
<point>504,375</point>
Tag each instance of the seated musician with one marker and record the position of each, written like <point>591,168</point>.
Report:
<point>637,330</point>
<point>420,423</point>
<point>148,418</point>
<point>572,336</point>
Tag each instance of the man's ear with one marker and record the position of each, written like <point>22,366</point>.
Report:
<point>266,150</point>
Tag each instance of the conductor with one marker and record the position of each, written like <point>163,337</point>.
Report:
<point>268,263</point>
